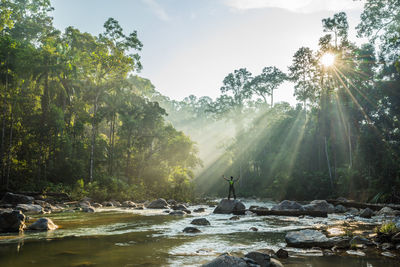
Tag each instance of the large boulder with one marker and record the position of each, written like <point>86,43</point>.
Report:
<point>288,205</point>
<point>191,230</point>
<point>30,208</point>
<point>15,199</point>
<point>12,221</point>
<point>340,209</point>
<point>366,213</point>
<point>177,213</point>
<point>319,205</point>
<point>158,204</point>
<point>200,221</point>
<point>313,238</point>
<point>227,206</point>
<point>181,207</point>
<point>388,211</point>
<point>262,259</point>
<point>226,260</point>
<point>43,224</point>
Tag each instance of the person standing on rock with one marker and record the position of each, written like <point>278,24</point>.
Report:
<point>231,188</point>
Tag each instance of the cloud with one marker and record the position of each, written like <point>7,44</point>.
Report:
<point>157,9</point>
<point>300,6</point>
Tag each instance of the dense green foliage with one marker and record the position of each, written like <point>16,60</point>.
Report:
<point>342,140</point>
<point>74,118</point>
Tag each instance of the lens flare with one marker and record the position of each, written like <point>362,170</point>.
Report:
<point>327,59</point>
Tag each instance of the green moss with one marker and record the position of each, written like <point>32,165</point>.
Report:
<point>387,228</point>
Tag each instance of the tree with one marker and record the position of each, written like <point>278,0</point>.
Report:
<point>269,80</point>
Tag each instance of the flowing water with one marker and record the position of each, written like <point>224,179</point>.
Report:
<point>126,237</point>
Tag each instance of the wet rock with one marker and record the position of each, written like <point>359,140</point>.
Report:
<point>200,210</point>
<point>340,209</point>
<point>116,203</point>
<point>177,213</point>
<point>263,260</point>
<point>182,208</point>
<point>88,209</point>
<point>14,199</point>
<point>234,218</point>
<point>359,240</point>
<point>254,207</point>
<point>226,260</point>
<point>30,208</point>
<point>356,253</point>
<point>387,246</point>
<point>288,205</point>
<point>166,211</point>
<point>158,204</point>
<point>227,206</point>
<point>200,221</point>
<point>313,238</point>
<point>366,213</point>
<point>319,205</point>
<point>254,229</point>
<point>328,252</point>
<point>396,237</point>
<point>282,254</point>
<point>388,254</point>
<point>211,206</point>
<point>128,204</point>
<point>12,221</point>
<point>353,211</point>
<point>191,230</point>
<point>387,211</point>
<point>43,224</point>
<point>107,204</point>
<point>139,207</point>
<point>172,202</point>
<point>84,204</point>
<point>97,205</point>
<point>275,263</point>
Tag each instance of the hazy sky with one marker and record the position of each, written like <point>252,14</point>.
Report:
<point>191,45</point>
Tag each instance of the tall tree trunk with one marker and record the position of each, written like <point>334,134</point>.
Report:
<point>272,98</point>
<point>350,148</point>
<point>93,142</point>
<point>329,165</point>
<point>9,150</point>
<point>128,155</point>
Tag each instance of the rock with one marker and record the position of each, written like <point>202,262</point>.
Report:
<point>200,210</point>
<point>97,205</point>
<point>288,205</point>
<point>234,218</point>
<point>254,207</point>
<point>366,213</point>
<point>12,221</point>
<point>128,204</point>
<point>397,222</point>
<point>107,204</point>
<point>84,204</point>
<point>359,240</point>
<point>319,205</point>
<point>396,237</point>
<point>116,203</point>
<point>14,199</point>
<point>282,254</point>
<point>172,202</point>
<point>30,208</point>
<point>254,229</point>
<point>353,211</point>
<point>328,252</point>
<point>200,221</point>
<point>158,204</point>
<point>340,209</point>
<point>227,206</point>
<point>178,213</point>
<point>313,238</point>
<point>263,260</point>
<point>43,224</point>
<point>182,208</point>
<point>226,260</point>
<point>356,253</point>
<point>191,230</point>
<point>387,246</point>
<point>275,263</point>
<point>88,209</point>
<point>387,211</point>
<point>388,254</point>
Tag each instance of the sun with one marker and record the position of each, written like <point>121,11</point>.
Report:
<point>327,59</point>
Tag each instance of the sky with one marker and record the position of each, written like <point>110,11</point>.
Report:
<point>191,45</point>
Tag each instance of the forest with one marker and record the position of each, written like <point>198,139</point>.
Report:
<point>76,116</point>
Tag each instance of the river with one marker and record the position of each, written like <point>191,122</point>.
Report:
<point>128,237</point>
